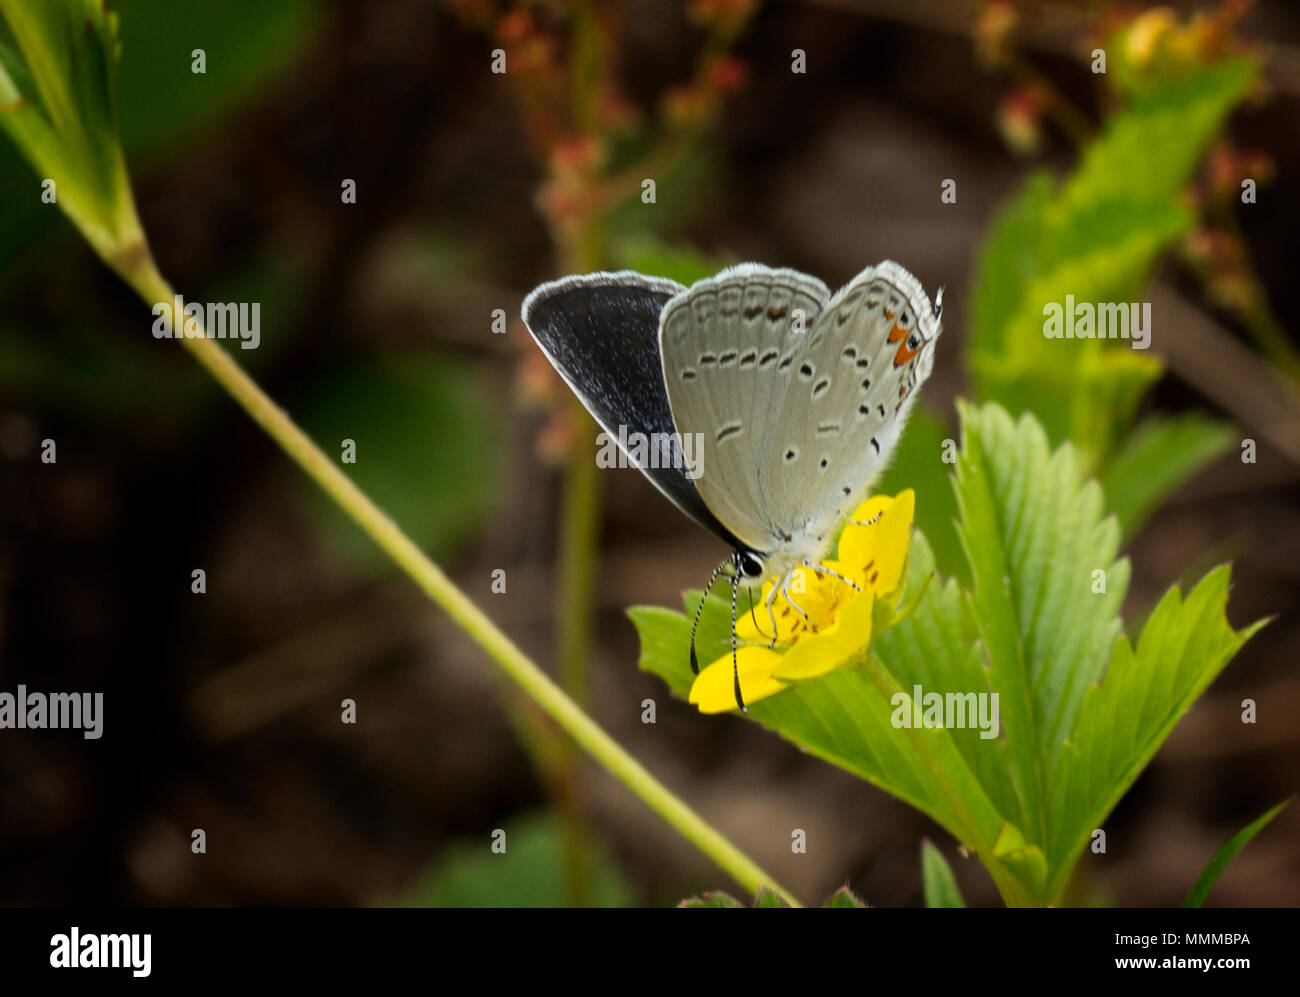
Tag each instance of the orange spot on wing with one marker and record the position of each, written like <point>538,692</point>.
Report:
<point>904,354</point>
<point>897,332</point>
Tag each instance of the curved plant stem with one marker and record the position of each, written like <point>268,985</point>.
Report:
<point>152,287</point>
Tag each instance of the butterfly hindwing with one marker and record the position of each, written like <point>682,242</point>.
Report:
<point>600,332</point>
<point>872,348</point>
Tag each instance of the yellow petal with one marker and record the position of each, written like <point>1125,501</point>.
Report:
<point>714,688</point>
<point>877,553</point>
<point>833,647</point>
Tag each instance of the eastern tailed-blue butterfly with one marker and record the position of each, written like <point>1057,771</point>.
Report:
<point>797,395</point>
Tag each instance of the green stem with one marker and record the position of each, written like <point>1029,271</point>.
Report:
<point>576,616</point>
<point>152,287</point>
<point>579,527</point>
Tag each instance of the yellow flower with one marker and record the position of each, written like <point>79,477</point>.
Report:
<point>838,625</point>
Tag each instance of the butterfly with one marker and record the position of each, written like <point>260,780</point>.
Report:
<point>796,396</point>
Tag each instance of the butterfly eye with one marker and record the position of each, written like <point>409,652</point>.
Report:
<point>751,566</point>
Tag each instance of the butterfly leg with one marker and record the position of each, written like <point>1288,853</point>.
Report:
<point>695,661</point>
<point>870,522</point>
<point>821,569</point>
<point>771,615</point>
<point>785,591</point>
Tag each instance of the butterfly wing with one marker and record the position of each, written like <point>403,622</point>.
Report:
<point>600,332</point>
<point>731,349</point>
<point>796,425</point>
<point>872,348</point>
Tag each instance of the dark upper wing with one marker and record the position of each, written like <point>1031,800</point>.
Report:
<point>601,332</point>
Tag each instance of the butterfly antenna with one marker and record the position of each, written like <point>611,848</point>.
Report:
<point>695,661</point>
<point>735,666</point>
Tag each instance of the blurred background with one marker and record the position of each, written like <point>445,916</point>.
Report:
<point>222,710</point>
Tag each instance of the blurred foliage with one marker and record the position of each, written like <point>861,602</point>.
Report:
<point>767,897</point>
<point>1097,237</point>
<point>58,90</point>
<point>1205,882</point>
<point>427,435</point>
<point>650,255</point>
<point>530,873</point>
<point>1155,458</point>
<point>246,43</point>
<point>937,880</point>
<point>1081,713</point>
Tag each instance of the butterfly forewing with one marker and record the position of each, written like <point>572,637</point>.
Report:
<point>731,350</point>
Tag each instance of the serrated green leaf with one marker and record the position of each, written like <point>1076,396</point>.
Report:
<point>714,899</point>
<point>1206,880</point>
<point>1035,537</point>
<point>1037,630</point>
<point>846,717</point>
<point>1126,717</point>
<point>937,880</point>
<point>844,897</point>
<point>768,897</point>
<point>1158,457</point>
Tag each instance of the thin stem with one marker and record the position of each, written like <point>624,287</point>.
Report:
<point>152,287</point>
<point>579,526</point>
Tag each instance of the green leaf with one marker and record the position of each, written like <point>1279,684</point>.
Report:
<point>161,103</point>
<point>650,255</point>
<point>768,897</point>
<point>530,873</point>
<point>1037,628</point>
<point>1158,457</point>
<point>715,899</point>
<point>919,464</point>
<point>937,878</point>
<point>1184,645</point>
<point>58,102</point>
<point>1097,237</point>
<point>1205,882</point>
<point>844,897</point>
<point>1035,538</point>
